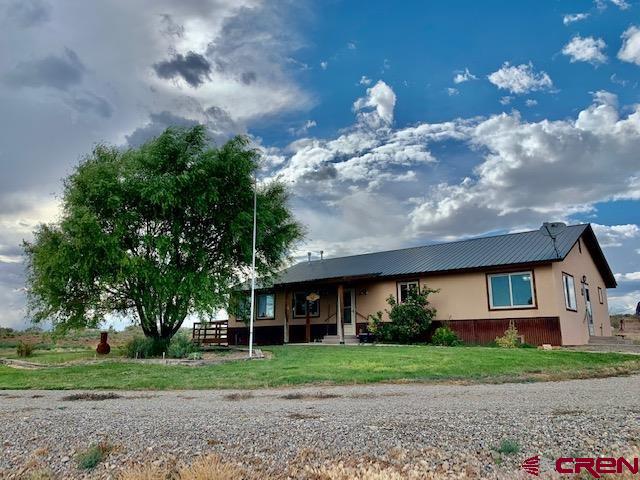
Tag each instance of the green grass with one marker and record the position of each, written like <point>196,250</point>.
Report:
<point>508,447</point>
<point>54,356</point>
<point>88,459</point>
<point>297,365</point>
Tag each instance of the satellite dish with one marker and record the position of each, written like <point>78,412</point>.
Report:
<point>552,229</point>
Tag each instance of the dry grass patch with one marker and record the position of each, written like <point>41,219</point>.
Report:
<point>211,467</point>
<point>238,396</point>
<point>309,396</point>
<point>302,416</point>
<point>92,397</point>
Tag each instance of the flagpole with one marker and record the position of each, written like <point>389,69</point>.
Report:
<point>253,266</point>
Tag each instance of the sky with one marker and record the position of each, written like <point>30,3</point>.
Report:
<point>394,124</point>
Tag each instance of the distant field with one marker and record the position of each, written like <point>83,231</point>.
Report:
<point>300,365</point>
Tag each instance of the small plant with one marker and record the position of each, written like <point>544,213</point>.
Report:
<point>510,339</point>
<point>143,347</point>
<point>445,337</point>
<point>24,349</point>
<point>182,347</point>
<point>508,447</point>
<point>92,456</point>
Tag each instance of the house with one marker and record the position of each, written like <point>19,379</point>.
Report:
<point>554,291</point>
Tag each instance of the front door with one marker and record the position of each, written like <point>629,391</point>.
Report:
<point>349,311</point>
<point>589,312</point>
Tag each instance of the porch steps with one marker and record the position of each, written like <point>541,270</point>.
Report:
<point>335,340</point>
<point>617,340</point>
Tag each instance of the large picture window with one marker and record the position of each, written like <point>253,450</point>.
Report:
<point>511,290</point>
<point>300,305</point>
<point>404,288</point>
<point>569,287</point>
<point>266,305</point>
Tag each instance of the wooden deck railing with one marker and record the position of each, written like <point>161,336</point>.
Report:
<point>210,333</point>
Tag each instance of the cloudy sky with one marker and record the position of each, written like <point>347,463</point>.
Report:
<point>393,126</point>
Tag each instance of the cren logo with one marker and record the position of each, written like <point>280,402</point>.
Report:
<point>532,465</point>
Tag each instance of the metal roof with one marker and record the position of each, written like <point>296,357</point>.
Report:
<point>476,253</point>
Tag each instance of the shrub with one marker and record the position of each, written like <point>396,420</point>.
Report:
<point>144,347</point>
<point>508,447</point>
<point>182,347</point>
<point>24,349</point>
<point>92,456</point>
<point>446,337</point>
<point>510,339</point>
<point>409,321</point>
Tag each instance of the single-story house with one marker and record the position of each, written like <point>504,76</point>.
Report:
<point>554,291</point>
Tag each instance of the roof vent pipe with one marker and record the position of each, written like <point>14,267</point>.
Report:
<point>309,257</point>
<point>321,254</point>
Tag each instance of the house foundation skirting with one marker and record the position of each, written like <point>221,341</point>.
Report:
<point>533,330</point>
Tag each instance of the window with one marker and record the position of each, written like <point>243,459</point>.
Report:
<point>266,302</point>
<point>600,295</point>
<point>300,305</point>
<point>404,288</point>
<point>569,288</point>
<point>511,290</point>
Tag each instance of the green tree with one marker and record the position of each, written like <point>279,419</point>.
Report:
<point>158,233</point>
<point>408,321</point>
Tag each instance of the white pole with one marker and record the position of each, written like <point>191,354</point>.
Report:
<point>253,266</point>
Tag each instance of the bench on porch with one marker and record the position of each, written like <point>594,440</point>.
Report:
<point>208,333</point>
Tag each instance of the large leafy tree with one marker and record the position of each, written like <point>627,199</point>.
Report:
<point>157,233</point>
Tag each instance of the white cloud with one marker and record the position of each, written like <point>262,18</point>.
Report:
<point>534,171</point>
<point>628,277</point>
<point>351,45</point>
<point>506,100</point>
<point>623,303</point>
<point>324,65</point>
<point>364,80</point>
<point>380,97</point>
<point>304,128</point>
<point>574,17</point>
<point>464,76</point>
<point>531,102</point>
<point>585,49</point>
<point>630,50</point>
<point>520,79</point>
<point>452,91</point>
<point>622,4</point>
<point>614,235</point>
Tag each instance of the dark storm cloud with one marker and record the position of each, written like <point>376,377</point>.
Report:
<point>220,126</point>
<point>88,102</point>
<point>325,172</point>
<point>54,71</point>
<point>158,123</point>
<point>248,77</point>
<point>28,13</point>
<point>192,67</point>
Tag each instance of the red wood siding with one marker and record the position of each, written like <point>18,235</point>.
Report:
<point>536,330</point>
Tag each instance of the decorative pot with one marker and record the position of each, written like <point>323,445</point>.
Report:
<point>103,347</point>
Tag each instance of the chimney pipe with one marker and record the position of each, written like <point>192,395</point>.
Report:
<point>321,254</point>
<point>309,257</point>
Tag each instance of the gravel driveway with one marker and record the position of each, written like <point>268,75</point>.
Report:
<point>450,430</point>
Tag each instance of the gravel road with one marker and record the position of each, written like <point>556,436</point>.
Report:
<point>446,430</point>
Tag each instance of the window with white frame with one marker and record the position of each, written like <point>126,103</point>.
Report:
<point>300,305</point>
<point>569,287</point>
<point>404,288</point>
<point>511,290</point>
<point>266,305</point>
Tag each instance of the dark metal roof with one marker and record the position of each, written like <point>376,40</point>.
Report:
<point>476,253</point>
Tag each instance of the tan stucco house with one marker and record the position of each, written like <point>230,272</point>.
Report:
<point>555,292</point>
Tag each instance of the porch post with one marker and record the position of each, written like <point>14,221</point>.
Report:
<point>287,305</point>
<point>339,318</point>
<point>307,330</point>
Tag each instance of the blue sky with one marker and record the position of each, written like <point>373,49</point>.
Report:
<point>394,124</point>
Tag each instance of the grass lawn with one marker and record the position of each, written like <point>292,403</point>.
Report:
<point>297,365</point>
